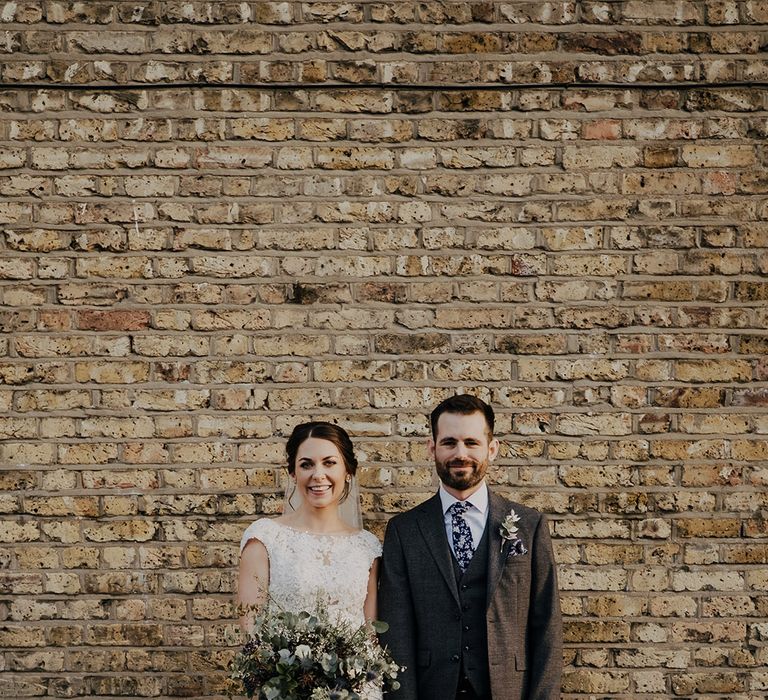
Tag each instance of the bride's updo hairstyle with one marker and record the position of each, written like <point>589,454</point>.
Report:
<point>323,431</point>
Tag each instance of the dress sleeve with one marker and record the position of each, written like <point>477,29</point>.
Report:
<point>260,530</point>
<point>372,545</point>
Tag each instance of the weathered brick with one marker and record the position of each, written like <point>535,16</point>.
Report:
<point>18,532</point>
<point>713,370</point>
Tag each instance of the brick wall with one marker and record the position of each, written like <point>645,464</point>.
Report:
<point>221,218</point>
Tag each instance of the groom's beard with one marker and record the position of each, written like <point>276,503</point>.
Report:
<point>465,480</point>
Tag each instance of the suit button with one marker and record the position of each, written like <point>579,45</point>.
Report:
<point>464,586</point>
<point>455,658</point>
<point>466,648</point>
<point>466,628</point>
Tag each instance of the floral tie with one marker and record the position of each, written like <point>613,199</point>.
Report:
<point>463,546</point>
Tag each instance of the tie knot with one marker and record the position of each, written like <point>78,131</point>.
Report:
<point>460,507</point>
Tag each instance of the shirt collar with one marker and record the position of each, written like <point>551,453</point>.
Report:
<point>479,499</point>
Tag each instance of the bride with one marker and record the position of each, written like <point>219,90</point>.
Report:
<point>312,553</point>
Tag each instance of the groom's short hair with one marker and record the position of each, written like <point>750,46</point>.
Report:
<point>466,404</point>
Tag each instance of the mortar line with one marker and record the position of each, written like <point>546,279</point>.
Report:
<point>410,87</point>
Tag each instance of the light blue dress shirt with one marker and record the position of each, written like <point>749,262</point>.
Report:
<point>476,516</point>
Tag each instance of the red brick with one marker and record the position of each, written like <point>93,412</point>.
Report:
<point>113,320</point>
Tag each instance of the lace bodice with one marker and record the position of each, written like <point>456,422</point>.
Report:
<point>306,566</point>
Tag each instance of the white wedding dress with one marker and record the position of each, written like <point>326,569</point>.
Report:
<point>305,567</point>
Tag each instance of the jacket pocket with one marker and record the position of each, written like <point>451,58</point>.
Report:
<point>423,657</point>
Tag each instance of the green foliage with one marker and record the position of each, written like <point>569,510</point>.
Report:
<point>308,656</point>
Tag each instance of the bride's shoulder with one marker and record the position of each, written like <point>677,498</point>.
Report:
<point>371,542</point>
<point>262,529</point>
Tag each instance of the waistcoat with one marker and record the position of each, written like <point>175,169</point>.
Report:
<point>472,585</point>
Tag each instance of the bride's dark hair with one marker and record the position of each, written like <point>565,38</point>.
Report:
<point>323,431</point>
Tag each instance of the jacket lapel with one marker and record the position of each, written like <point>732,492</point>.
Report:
<point>497,548</point>
<point>432,526</point>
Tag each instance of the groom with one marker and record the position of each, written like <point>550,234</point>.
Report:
<point>468,583</point>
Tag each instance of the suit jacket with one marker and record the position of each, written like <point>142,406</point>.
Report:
<point>419,599</point>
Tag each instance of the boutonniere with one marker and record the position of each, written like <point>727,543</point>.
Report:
<point>508,531</point>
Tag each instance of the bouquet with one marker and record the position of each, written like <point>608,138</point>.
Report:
<point>307,656</point>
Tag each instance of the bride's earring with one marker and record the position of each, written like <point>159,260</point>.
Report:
<point>345,492</point>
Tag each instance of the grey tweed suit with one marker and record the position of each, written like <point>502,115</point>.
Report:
<point>418,597</point>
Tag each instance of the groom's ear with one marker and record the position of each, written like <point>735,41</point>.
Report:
<point>493,449</point>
